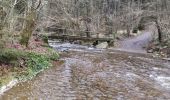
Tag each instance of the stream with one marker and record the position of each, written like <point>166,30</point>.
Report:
<point>85,73</point>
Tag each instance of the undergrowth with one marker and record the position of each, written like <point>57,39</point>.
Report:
<point>24,65</point>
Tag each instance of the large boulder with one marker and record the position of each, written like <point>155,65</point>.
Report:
<point>102,45</point>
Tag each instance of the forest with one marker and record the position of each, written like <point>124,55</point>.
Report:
<point>27,29</point>
<point>84,17</point>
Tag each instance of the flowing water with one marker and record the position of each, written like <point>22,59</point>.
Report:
<point>96,74</point>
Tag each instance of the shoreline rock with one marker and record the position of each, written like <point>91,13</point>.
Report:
<point>102,45</point>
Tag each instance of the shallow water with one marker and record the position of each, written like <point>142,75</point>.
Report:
<point>86,73</point>
<point>98,75</point>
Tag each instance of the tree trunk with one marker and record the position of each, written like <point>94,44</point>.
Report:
<point>159,32</point>
<point>128,31</point>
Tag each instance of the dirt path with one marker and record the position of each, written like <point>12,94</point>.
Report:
<point>136,43</point>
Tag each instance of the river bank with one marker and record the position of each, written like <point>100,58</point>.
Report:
<point>22,64</point>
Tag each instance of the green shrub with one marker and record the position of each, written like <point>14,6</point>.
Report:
<point>33,63</point>
<point>36,63</point>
